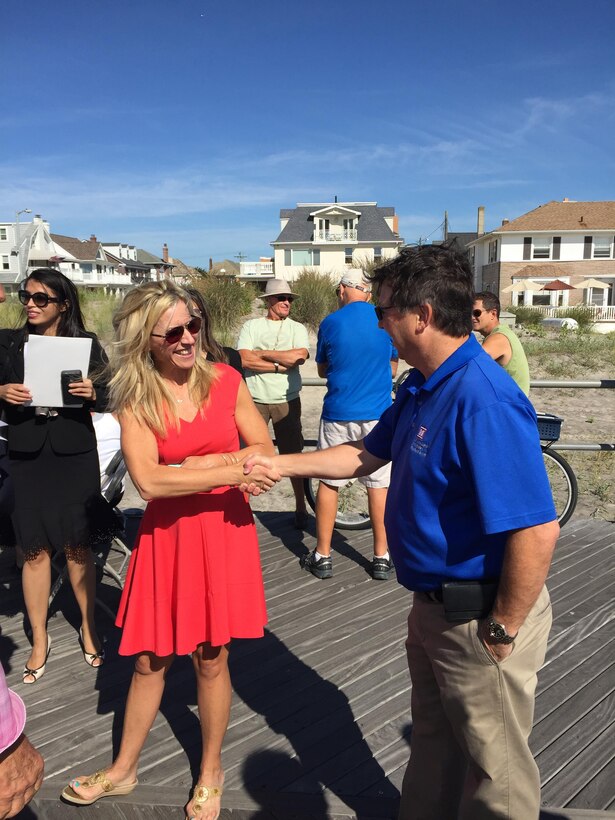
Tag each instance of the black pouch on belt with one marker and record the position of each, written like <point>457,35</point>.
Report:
<point>467,600</point>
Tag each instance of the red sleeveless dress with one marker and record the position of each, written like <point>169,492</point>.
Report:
<point>195,574</point>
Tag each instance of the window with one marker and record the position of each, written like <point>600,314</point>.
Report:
<point>309,256</point>
<point>377,254</point>
<point>602,247</point>
<point>472,255</point>
<point>349,224</point>
<point>348,256</point>
<point>3,234</point>
<point>5,263</point>
<point>493,251</point>
<point>323,224</point>
<point>542,248</point>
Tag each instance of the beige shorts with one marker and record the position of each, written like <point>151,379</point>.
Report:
<point>331,433</point>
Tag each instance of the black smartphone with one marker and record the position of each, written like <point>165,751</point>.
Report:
<point>68,377</point>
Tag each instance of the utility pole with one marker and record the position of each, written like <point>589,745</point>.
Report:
<point>445,225</point>
<point>241,256</point>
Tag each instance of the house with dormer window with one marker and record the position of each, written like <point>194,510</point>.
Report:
<point>573,242</point>
<point>332,236</point>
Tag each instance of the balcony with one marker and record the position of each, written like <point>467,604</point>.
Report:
<point>335,235</point>
<point>256,270</point>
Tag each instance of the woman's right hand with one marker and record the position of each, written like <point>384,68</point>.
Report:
<point>15,393</point>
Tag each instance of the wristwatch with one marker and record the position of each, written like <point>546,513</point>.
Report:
<point>277,367</point>
<point>497,632</point>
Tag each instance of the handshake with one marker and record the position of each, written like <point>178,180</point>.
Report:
<point>261,474</point>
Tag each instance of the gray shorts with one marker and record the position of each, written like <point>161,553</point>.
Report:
<point>331,433</point>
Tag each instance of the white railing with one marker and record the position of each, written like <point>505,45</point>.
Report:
<point>599,313</point>
<point>335,236</point>
<point>247,269</point>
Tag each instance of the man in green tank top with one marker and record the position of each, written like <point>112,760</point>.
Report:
<point>501,343</point>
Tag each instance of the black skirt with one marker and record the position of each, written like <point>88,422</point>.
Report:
<point>58,503</point>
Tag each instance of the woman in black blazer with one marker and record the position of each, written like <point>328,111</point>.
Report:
<point>53,463</point>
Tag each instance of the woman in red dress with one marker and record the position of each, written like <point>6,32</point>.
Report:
<point>194,580</point>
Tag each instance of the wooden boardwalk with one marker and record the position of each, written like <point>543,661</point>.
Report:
<point>321,718</point>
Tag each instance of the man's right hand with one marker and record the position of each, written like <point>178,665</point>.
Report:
<point>15,393</point>
<point>21,776</point>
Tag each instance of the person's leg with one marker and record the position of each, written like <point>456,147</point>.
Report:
<point>142,706</point>
<point>213,684</point>
<point>82,575</point>
<point>326,510</point>
<point>286,420</point>
<point>433,782</point>
<point>36,583</point>
<point>376,501</point>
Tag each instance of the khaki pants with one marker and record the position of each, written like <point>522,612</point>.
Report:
<point>471,719</point>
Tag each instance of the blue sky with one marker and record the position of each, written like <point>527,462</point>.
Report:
<point>194,121</point>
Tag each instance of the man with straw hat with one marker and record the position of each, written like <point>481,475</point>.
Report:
<point>272,348</point>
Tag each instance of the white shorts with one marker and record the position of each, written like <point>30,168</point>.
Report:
<point>331,433</point>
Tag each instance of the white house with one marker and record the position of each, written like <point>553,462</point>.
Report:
<point>331,236</point>
<point>24,246</point>
<point>568,241</point>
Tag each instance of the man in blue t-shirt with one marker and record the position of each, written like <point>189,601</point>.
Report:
<point>470,533</point>
<point>358,360</point>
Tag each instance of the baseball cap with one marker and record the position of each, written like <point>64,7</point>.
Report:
<point>355,278</point>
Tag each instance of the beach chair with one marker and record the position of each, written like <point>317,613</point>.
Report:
<point>112,491</point>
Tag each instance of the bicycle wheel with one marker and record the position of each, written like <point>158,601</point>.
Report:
<point>352,511</point>
<point>563,484</point>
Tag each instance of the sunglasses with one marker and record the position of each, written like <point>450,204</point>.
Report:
<point>476,313</point>
<point>285,297</point>
<point>175,334</point>
<point>381,310</point>
<point>39,298</point>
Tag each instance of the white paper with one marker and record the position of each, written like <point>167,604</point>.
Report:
<point>44,359</point>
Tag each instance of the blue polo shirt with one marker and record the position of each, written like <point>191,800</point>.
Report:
<point>467,468</point>
<point>358,357</point>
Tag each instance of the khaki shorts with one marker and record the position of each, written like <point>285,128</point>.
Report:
<point>331,433</point>
<point>286,421</point>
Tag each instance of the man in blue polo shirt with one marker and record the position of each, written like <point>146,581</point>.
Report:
<point>471,535</point>
<point>358,360</point>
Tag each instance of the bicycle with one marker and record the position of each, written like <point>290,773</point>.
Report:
<point>561,476</point>
<point>352,508</point>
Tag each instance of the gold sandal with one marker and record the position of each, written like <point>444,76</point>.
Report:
<point>202,794</point>
<point>98,779</point>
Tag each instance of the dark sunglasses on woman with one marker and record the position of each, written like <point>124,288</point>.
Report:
<point>39,298</point>
<point>175,334</point>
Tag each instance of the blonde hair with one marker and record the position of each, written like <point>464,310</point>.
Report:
<point>135,383</point>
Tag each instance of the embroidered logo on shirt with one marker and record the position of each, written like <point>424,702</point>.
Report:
<point>419,445</point>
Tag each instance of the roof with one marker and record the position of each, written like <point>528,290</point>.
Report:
<point>565,216</point>
<point>148,258</point>
<point>230,268</point>
<point>459,241</point>
<point>129,264</point>
<point>541,269</point>
<point>371,225</point>
<point>86,250</point>
<point>181,270</point>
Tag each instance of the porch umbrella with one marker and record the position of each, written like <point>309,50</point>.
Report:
<point>593,283</point>
<point>520,287</point>
<point>557,284</point>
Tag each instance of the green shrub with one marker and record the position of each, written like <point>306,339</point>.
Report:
<point>526,316</point>
<point>98,307</point>
<point>228,301</point>
<point>317,297</point>
<point>581,314</point>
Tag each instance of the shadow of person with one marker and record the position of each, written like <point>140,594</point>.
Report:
<point>272,804</point>
<point>294,540</point>
<point>315,717</point>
